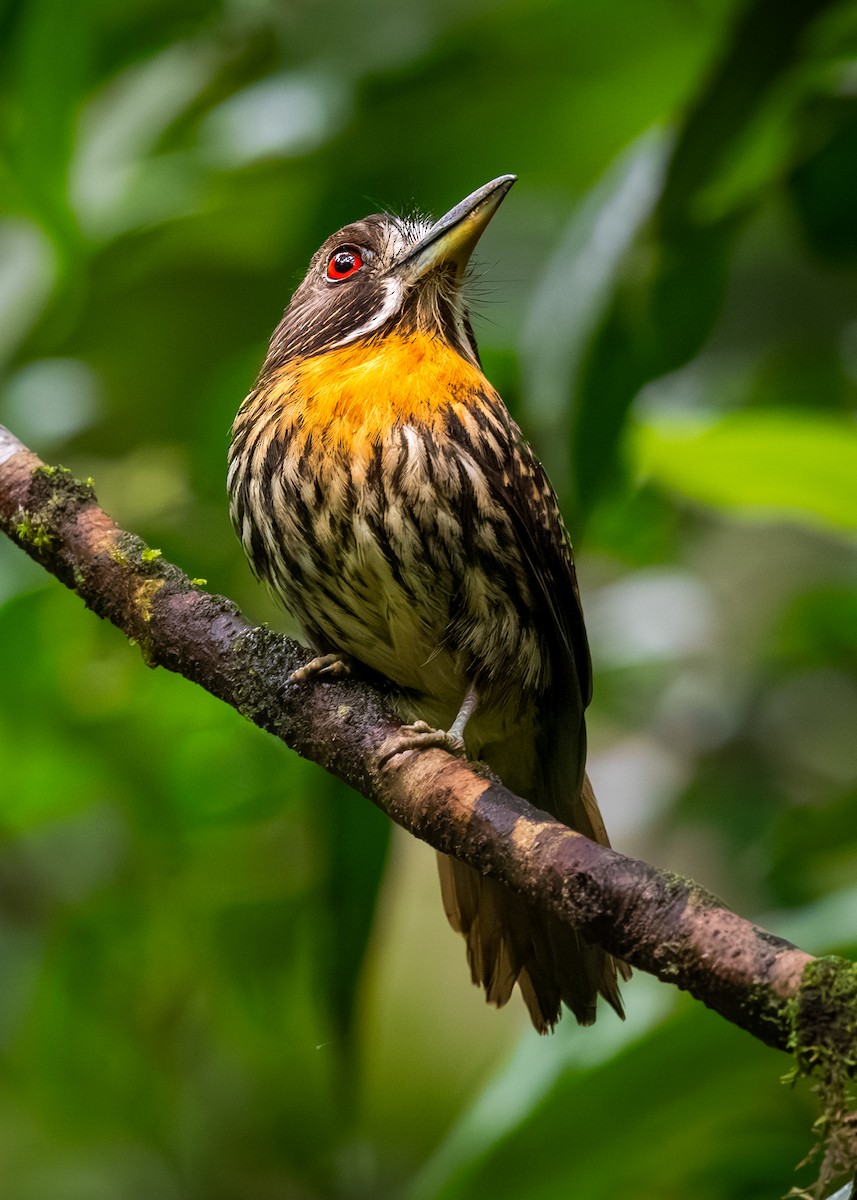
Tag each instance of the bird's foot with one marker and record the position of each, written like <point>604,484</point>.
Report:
<point>325,666</point>
<point>422,736</point>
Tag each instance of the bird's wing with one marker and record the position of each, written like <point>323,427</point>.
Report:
<point>508,940</point>
<point>546,550</point>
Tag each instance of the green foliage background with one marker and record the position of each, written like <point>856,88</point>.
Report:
<point>220,977</point>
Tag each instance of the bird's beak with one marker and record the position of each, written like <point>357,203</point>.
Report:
<point>451,240</point>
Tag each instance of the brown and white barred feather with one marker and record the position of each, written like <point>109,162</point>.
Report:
<point>434,553</point>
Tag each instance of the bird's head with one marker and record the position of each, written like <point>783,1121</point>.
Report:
<point>385,274</point>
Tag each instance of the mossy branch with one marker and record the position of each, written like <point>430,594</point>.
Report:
<point>658,922</point>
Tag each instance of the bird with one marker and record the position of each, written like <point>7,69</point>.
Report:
<point>380,487</point>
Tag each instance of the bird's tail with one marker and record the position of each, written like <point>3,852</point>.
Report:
<point>510,941</point>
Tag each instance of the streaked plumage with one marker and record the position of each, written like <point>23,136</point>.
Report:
<point>379,485</point>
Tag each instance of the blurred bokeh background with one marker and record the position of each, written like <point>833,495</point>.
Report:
<point>222,976</point>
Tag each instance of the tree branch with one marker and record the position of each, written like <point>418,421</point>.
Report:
<point>658,922</point>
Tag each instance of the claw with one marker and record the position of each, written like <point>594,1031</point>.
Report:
<point>421,736</point>
<point>330,666</point>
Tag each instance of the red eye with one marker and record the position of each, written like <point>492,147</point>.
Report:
<point>343,263</point>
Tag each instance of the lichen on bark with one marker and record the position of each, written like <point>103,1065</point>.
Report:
<point>823,1015</point>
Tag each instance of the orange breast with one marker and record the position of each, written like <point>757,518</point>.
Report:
<point>353,396</point>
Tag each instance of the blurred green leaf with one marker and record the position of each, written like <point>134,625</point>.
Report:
<point>357,839</point>
<point>576,287</point>
<point>776,465</point>
<point>819,629</point>
<point>49,53</point>
<point>723,1125</point>
<point>670,290</point>
<point>824,187</point>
